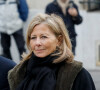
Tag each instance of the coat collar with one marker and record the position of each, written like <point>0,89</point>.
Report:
<point>66,75</point>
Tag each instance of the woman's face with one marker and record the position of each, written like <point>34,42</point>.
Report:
<point>43,41</point>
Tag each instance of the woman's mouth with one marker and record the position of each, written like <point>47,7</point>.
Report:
<point>39,50</point>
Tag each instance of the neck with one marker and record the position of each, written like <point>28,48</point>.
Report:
<point>63,6</point>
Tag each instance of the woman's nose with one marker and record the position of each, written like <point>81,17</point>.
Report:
<point>38,42</point>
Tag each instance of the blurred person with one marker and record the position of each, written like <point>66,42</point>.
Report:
<point>12,15</point>
<point>49,65</point>
<point>69,12</point>
<point>5,66</point>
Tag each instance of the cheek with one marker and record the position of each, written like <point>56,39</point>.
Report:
<point>51,45</point>
<point>31,44</point>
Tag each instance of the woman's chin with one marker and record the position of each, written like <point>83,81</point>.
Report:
<point>41,55</point>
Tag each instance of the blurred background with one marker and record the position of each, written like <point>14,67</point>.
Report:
<point>88,39</point>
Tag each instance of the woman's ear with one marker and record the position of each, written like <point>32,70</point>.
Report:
<point>60,38</point>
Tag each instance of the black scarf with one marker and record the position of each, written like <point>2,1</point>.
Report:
<point>41,74</point>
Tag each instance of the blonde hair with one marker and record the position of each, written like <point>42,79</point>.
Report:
<point>56,24</point>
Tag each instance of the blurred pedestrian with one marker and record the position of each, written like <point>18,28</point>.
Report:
<point>49,65</point>
<point>69,12</point>
<point>5,66</point>
<point>12,15</point>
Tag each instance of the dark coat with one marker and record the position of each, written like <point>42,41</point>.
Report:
<point>71,76</point>
<point>5,66</point>
<point>23,9</point>
<point>68,19</point>
<point>83,81</point>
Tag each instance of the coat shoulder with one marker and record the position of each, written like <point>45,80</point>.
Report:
<point>51,5</point>
<point>67,74</point>
<point>6,64</point>
<point>83,81</point>
<point>16,74</point>
<point>74,65</point>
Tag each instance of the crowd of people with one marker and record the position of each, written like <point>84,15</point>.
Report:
<point>51,42</point>
<point>12,15</point>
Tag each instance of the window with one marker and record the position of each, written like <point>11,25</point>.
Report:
<point>90,5</point>
<point>98,52</point>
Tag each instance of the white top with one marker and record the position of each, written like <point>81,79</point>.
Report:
<point>10,21</point>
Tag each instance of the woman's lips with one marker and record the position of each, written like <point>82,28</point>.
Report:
<point>40,50</point>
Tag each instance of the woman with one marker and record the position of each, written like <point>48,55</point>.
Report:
<point>49,64</point>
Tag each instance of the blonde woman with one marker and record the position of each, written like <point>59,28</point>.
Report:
<point>49,65</point>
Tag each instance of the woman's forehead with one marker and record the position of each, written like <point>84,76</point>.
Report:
<point>42,29</point>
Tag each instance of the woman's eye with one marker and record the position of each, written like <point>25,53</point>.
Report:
<point>33,37</point>
<point>44,36</point>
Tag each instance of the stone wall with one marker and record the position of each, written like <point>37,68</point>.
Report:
<point>38,4</point>
<point>41,4</point>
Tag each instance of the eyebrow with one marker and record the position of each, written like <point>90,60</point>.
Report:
<point>42,34</point>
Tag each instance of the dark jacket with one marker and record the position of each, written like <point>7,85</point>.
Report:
<point>83,81</point>
<point>70,77</point>
<point>5,66</point>
<point>23,9</point>
<point>68,19</point>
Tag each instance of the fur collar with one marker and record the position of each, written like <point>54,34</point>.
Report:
<point>67,75</point>
<point>65,79</point>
